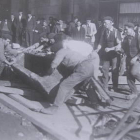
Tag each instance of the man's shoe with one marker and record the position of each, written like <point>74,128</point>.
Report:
<point>132,96</point>
<point>75,101</point>
<point>50,110</point>
<point>114,90</point>
<point>108,102</point>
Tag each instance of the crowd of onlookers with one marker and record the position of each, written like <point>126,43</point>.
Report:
<point>28,30</point>
<point>109,42</point>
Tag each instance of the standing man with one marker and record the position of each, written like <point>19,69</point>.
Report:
<point>90,31</point>
<point>37,31</point>
<point>13,27</point>
<point>51,24</point>
<point>72,25</point>
<point>78,32</point>
<point>60,27</point>
<point>5,28</point>
<point>110,40</point>
<point>20,27</point>
<point>45,28</point>
<point>131,47</point>
<point>30,25</point>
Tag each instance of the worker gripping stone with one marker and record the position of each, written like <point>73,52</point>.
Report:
<point>83,61</point>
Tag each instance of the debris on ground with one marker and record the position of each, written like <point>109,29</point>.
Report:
<point>21,127</point>
<point>20,134</point>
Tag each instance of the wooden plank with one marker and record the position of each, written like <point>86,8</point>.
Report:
<point>129,112</point>
<point>13,84</point>
<point>27,103</point>
<point>42,84</point>
<point>125,131</point>
<point>16,91</point>
<point>118,95</point>
<point>123,81</point>
<point>55,131</point>
<point>9,90</point>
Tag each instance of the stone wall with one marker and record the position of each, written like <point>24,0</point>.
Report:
<point>19,5</point>
<point>45,8</point>
<point>61,9</point>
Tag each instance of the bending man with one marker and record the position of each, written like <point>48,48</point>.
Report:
<point>84,64</point>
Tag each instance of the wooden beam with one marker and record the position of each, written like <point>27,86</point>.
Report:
<point>127,129</point>
<point>9,90</point>
<point>42,84</point>
<point>130,111</point>
<point>38,119</point>
<point>27,103</point>
<point>13,84</point>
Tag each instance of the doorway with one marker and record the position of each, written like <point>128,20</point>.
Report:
<point>107,8</point>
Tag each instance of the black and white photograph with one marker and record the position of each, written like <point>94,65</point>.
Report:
<point>69,69</point>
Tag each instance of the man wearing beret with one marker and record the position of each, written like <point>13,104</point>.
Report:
<point>131,47</point>
<point>109,41</point>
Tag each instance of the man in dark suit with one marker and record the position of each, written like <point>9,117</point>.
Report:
<point>78,32</point>
<point>45,28</point>
<point>30,25</point>
<point>13,28</point>
<point>37,31</point>
<point>60,27</point>
<point>72,25</point>
<point>5,28</point>
<point>20,27</point>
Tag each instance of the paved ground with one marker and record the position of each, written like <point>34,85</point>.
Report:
<point>14,127</point>
<point>24,130</point>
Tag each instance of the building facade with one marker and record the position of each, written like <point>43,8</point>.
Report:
<point>121,10</point>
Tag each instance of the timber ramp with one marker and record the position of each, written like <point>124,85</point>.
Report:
<point>75,122</point>
<point>71,122</point>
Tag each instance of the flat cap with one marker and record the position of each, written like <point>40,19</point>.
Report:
<point>108,18</point>
<point>130,25</point>
<point>51,36</point>
<point>7,36</point>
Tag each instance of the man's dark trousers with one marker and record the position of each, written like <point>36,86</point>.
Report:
<point>110,59</point>
<point>130,78</point>
<point>29,38</point>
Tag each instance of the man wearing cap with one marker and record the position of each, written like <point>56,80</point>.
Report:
<point>30,25</point>
<point>57,43</point>
<point>39,46</point>
<point>131,47</point>
<point>109,41</point>
<point>45,28</point>
<point>4,42</point>
<point>90,31</point>
<point>72,25</point>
